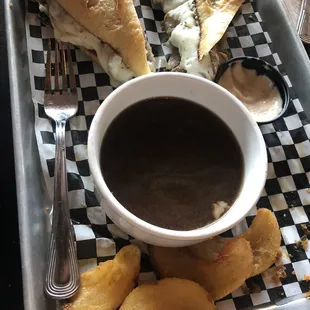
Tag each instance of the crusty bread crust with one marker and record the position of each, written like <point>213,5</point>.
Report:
<point>214,17</point>
<point>116,23</point>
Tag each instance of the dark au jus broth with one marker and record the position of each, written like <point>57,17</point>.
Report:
<point>166,160</point>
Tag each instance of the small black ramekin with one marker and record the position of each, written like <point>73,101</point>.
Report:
<point>262,68</point>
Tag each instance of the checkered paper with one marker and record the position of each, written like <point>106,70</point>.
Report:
<point>287,141</point>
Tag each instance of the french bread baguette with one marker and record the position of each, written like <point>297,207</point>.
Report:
<point>214,17</point>
<point>115,23</point>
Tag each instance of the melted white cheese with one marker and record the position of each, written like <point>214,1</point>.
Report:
<point>66,29</point>
<point>185,36</point>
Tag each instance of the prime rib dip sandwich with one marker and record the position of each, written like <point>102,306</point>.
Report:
<point>195,28</point>
<point>108,31</point>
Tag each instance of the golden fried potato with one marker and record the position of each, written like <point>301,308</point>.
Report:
<point>169,294</point>
<point>265,239</point>
<point>106,286</point>
<point>220,265</point>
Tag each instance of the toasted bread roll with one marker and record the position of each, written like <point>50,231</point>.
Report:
<point>116,23</point>
<point>214,17</point>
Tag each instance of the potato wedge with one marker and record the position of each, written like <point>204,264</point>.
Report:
<point>106,286</point>
<point>169,294</point>
<point>220,265</point>
<point>265,239</point>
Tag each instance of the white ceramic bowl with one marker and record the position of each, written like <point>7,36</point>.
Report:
<point>209,95</point>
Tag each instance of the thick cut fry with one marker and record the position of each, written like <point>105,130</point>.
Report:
<point>220,265</point>
<point>106,286</point>
<point>169,294</point>
<point>265,239</point>
<point>214,17</point>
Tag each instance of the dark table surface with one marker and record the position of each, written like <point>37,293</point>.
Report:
<point>10,272</point>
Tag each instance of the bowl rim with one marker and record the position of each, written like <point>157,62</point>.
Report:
<point>224,66</point>
<point>102,188</point>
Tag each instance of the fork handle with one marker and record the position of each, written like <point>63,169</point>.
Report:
<point>62,276</point>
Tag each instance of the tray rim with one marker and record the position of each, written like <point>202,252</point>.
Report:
<point>31,203</point>
<point>32,217</point>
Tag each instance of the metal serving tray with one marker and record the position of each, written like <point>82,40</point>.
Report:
<point>33,217</point>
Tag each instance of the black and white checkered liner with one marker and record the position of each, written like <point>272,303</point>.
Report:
<point>287,140</point>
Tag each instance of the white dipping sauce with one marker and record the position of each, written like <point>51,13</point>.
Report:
<point>257,92</point>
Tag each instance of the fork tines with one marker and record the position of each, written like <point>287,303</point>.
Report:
<point>60,66</point>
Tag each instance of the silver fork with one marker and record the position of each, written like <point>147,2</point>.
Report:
<point>62,274</point>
